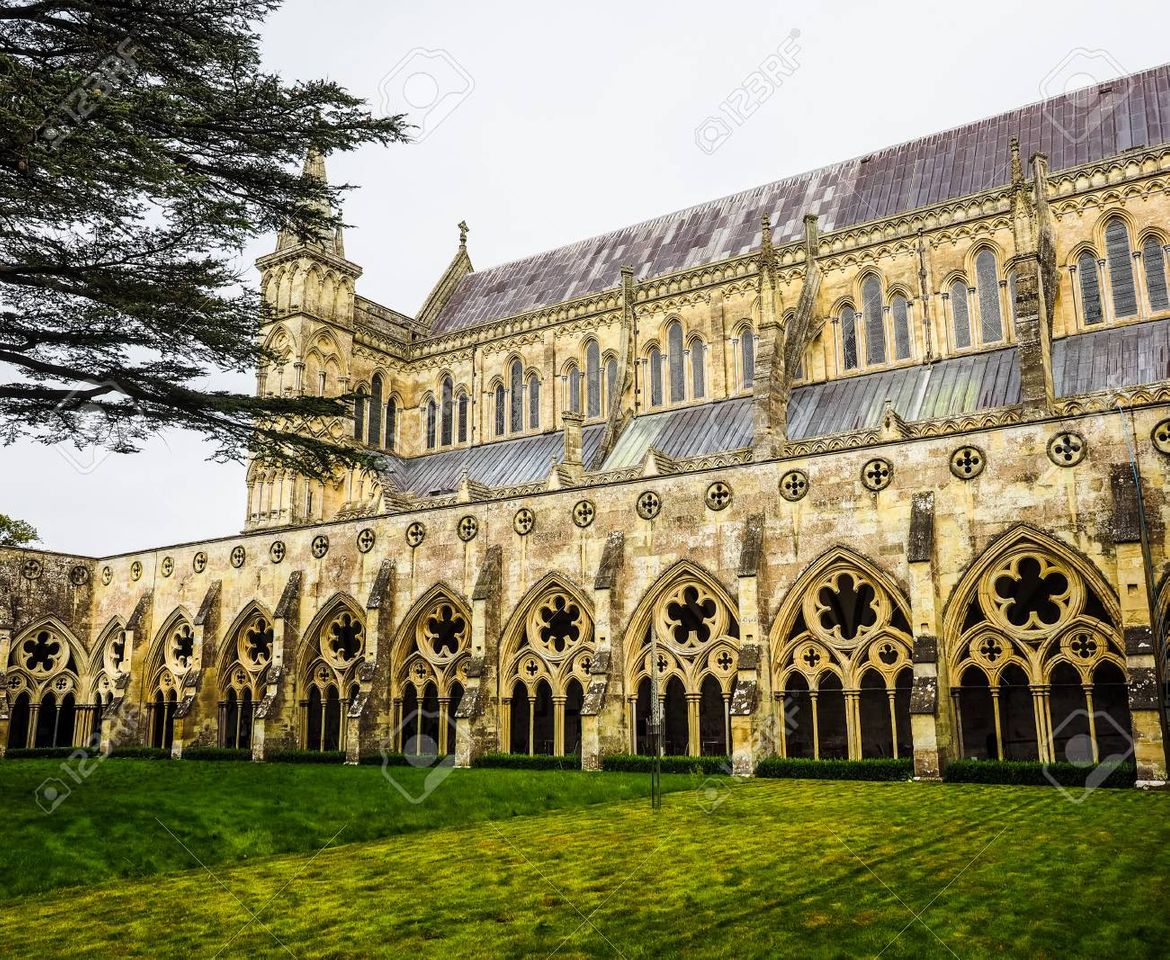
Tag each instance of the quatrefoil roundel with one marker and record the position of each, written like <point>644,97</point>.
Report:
<point>276,551</point>
<point>320,545</point>
<point>794,485</point>
<point>649,504</point>
<point>583,513</point>
<point>718,495</point>
<point>467,528</point>
<point>1067,449</point>
<point>416,533</point>
<point>199,562</point>
<point>366,540</point>
<point>237,556</point>
<point>107,576</point>
<point>877,474</point>
<point>1161,437</point>
<point>136,570</point>
<point>31,568</point>
<point>524,521</point>
<point>79,575</point>
<point>167,566</point>
<point>968,462</point>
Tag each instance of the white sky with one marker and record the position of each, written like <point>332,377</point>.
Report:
<point>580,120</point>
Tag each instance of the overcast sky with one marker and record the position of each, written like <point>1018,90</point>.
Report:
<point>544,123</point>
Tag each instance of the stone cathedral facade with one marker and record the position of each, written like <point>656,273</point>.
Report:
<point>866,462</point>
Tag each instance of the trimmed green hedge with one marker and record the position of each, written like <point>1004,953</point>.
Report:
<point>40,753</point>
<point>1033,773</point>
<point>140,753</point>
<point>522,761</point>
<point>885,768</point>
<point>632,763</point>
<point>216,753</point>
<point>394,760</point>
<point>305,756</point>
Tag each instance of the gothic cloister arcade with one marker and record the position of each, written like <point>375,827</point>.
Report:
<point>171,659</point>
<point>1037,662</point>
<point>695,622</point>
<point>431,656</point>
<point>46,688</point>
<point>243,675</point>
<point>545,655</point>
<point>842,662</point>
<point>334,647</point>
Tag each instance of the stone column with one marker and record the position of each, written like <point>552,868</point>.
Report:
<point>930,726</point>
<point>476,728</point>
<point>276,718</point>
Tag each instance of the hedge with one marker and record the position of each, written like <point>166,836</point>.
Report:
<point>1033,773</point>
<point>141,753</point>
<point>395,760</point>
<point>631,763</point>
<point>215,753</point>
<point>305,756</point>
<point>522,761</point>
<point>41,753</point>
<point>884,768</point>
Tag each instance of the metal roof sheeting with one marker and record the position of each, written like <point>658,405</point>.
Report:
<point>685,433</point>
<point>1126,113</point>
<point>949,388</point>
<point>1112,359</point>
<point>504,463</point>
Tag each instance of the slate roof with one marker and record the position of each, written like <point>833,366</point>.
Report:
<point>952,387</point>
<point>1112,358</point>
<point>1133,112</point>
<point>684,433</point>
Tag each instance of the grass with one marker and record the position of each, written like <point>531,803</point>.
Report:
<point>758,869</point>
<point>114,825</point>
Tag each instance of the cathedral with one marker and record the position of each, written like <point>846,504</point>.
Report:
<point>870,461</point>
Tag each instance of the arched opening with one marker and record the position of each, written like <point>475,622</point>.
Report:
<point>1090,288</point>
<point>501,412</point>
<point>1154,260</point>
<point>900,309</point>
<point>675,727</point>
<point>593,379</point>
<point>573,389</point>
<point>1119,260</point>
<point>359,415</point>
<point>516,388</point>
<point>462,406</point>
<point>655,363</point>
<point>798,719</point>
<point>611,380</point>
<point>55,722</point>
<point>533,402</point>
<point>521,713</point>
<point>1070,719</point>
<point>574,700</point>
<point>427,733</point>
<point>375,425</point>
<point>18,722</point>
<point>960,314</point>
<point>432,417</point>
<point>456,698</point>
<point>714,730</point>
<point>903,686</point>
<point>698,369</point>
<point>1017,716</point>
<point>675,357</point>
<point>833,731</point>
<point>447,431</point>
<point>391,424</point>
<point>331,733</point>
<point>162,720</point>
<point>543,732</point>
<point>987,290</point>
<point>875,706</point>
<point>1112,722</point>
<point>313,720</point>
<point>875,329</point>
<point>747,349</point>
<point>229,723</point>
<point>977,716</point>
<point>848,338</point>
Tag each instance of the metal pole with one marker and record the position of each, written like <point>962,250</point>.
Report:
<point>1148,564</point>
<point>655,730</point>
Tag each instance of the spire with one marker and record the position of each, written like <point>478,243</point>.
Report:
<point>328,240</point>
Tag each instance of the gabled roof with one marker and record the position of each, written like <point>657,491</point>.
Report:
<point>1129,112</point>
<point>1112,359</point>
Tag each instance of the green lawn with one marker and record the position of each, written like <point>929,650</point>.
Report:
<point>756,869</point>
